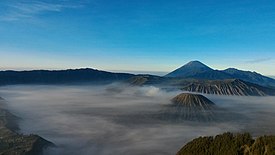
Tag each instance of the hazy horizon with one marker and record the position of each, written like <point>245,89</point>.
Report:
<point>158,73</point>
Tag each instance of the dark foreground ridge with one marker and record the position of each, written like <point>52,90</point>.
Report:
<point>230,144</point>
<point>12,143</point>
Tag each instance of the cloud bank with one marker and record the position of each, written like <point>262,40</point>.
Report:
<point>117,119</point>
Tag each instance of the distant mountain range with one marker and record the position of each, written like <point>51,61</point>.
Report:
<point>250,77</point>
<point>70,76</point>
<point>198,70</point>
<point>194,76</point>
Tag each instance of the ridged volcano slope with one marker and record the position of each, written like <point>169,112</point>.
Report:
<point>229,87</point>
<point>192,100</point>
<point>191,107</point>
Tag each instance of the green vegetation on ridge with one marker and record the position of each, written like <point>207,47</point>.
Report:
<point>230,144</point>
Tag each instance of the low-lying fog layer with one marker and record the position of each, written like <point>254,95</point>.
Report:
<point>112,120</point>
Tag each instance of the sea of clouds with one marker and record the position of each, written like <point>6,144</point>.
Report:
<point>119,119</point>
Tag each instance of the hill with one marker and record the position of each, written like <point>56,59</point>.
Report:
<point>191,107</point>
<point>140,80</point>
<point>192,100</point>
<point>230,144</point>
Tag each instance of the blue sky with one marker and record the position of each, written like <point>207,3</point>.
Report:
<point>137,35</point>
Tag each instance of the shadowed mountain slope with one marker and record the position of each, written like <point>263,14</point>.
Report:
<point>12,143</point>
<point>250,77</point>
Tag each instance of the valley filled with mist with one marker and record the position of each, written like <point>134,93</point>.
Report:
<point>123,119</point>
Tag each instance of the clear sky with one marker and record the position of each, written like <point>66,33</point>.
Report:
<point>137,35</point>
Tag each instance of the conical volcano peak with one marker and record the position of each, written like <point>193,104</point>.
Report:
<point>190,69</point>
<point>195,63</point>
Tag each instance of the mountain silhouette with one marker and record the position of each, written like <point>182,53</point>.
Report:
<point>250,77</point>
<point>193,70</point>
<point>198,70</point>
<point>86,75</point>
<point>190,69</point>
